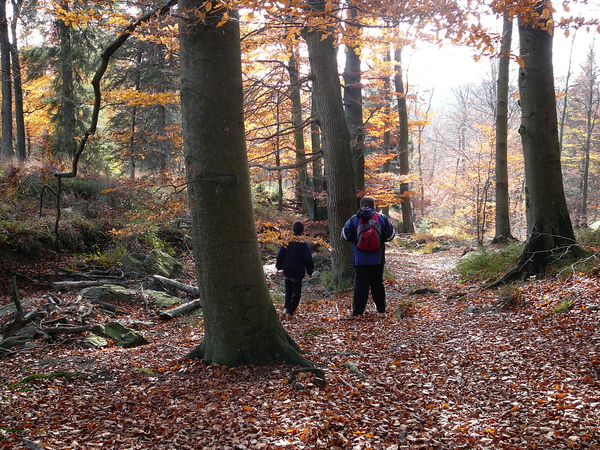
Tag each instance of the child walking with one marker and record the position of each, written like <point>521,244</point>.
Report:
<point>295,260</point>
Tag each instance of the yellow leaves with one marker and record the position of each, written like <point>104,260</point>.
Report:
<point>329,7</point>
<point>520,61</point>
<point>546,13</point>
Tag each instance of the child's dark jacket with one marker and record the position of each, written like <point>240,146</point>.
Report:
<point>295,260</point>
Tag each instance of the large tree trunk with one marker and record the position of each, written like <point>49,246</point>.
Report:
<point>549,230</point>
<point>7,147</point>
<point>240,322</point>
<point>503,233</point>
<point>337,152</point>
<point>67,117</point>
<point>407,219</point>
<point>353,103</point>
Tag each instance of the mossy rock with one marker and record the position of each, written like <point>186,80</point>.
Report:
<point>7,310</point>
<point>109,293</point>
<point>125,337</point>
<point>92,340</point>
<point>155,263</point>
<point>15,341</point>
<point>160,263</point>
<point>163,299</point>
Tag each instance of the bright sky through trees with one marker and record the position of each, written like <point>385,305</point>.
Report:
<point>430,66</point>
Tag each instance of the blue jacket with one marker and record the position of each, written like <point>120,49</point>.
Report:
<point>294,259</point>
<point>360,258</point>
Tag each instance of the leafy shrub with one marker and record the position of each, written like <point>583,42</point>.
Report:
<point>488,264</point>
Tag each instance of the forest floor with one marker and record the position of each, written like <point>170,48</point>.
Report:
<point>462,368</point>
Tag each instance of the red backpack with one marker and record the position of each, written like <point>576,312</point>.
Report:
<point>368,234</point>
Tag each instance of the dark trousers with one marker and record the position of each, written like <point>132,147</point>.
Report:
<point>293,290</point>
<point>368,277</point>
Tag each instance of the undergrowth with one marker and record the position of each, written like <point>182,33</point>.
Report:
<point>485,264</point>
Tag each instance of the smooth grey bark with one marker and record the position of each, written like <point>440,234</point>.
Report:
<point>240,321</point>
<point>134,114</point>
<point>7,120</point>
<point>67,117</point>
<point>549,230</point>
<point>387,134</point>
<point>502,223</point>
<point>20,141</point>
<point>337,152</point>
<point>318,177</point>
<point>408,225</point>
<point>305,185</point>
<point>353,106</point>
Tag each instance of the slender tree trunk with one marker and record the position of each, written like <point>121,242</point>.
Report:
<point>353,104</point>
<point>318,175</point>
<point>407,219</point>
<point>565,99</point>
<point>592,103</point>
<point>549,230</point>
<point>503,233</point>
<point>134,112</point>
<point>240,322</point>
<point>20,142</point>
<point>304,184</point>
<point>7,121</point>
<point>337,152</point>
<point>387,134</point>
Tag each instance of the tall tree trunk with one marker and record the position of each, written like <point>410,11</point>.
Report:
<point>67,116</point>
<point>387,113</point>
<point>318,177</point>
<point>134,113</point>
<point>565,99</point>
<point>353,103</point>
<point>591,106</point>
<point>20,142</point>
<point>7,128</point>
<point>161,125</point>
<point>337,152</point>
<point>407,219</point>
<point>549,230</point>
<point>240,322</point>
<point>304,185</point>
<point>503,233</point>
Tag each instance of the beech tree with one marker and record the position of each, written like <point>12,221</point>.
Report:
<point>337,152</point>
<point>549,230</point>
<point>7,146</point>
<point>502,223</point>
<point>240,321</point>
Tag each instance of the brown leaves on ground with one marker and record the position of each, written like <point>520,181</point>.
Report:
<point>516,377</point>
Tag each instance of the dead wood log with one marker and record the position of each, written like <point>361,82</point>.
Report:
<point>68,330</point>
<point>76,284</point>
<point>169,314</point>
<point>176,285</point>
